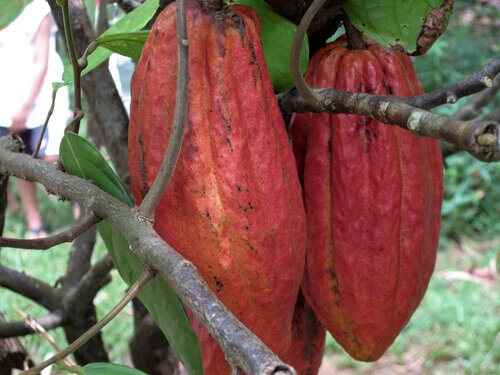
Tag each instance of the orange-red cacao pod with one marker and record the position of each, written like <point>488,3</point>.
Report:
<point>373,195</point>
<point>234,205</point>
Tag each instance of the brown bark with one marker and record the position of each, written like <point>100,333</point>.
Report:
<point>147,335</point>
<point>12,354</point>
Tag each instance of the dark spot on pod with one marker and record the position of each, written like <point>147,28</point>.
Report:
<point>218,284</point>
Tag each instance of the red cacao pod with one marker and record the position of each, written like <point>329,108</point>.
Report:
<point>373,195</point>
<point>308,340</point>
<point>234,205</point>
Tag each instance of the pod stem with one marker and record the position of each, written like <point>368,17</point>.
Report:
<point>212,4</point>
<point>354,36</point>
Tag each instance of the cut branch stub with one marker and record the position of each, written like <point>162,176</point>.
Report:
<point>481,139</point>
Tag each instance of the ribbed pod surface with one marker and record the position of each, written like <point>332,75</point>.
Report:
<point>373,195</point>
<point>233,206</point>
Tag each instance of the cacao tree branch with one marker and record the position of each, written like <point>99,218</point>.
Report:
<point>56,239</point>
<point>474,106</point>
<point>239,344</point>
<point>481,79</point>
<point>85,291</point>
<point>21,328</point>
<point>79,261</point>
<point>492,116</point>
<point>131,293</point>
<point>480,138</point>
<point>152,198</point>
<point>29,287</point>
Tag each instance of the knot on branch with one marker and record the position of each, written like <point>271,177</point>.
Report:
<point>12,142</point>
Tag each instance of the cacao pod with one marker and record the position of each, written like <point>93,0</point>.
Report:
<point>234,206</point>
<point>308,340</point>
<point>373,195</point>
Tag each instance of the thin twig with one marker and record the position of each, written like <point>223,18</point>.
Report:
<point>152,198</point>
<point>146,276</point>
<point>38,328</point>
<point>44,128</point>
<point>240,345</point>
<point>51,241</point>
<point>76,66</point>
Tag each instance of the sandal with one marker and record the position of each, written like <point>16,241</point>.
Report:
<point>35,233</point>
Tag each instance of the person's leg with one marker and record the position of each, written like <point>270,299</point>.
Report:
<point>27,191</point>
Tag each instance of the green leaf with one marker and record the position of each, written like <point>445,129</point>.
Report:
<point>100,368</point>
<point>82,158</point>
<point>103,368</point>
<point>79,157</point>
<point>126,44</point>
<point>277,37</point>
<point>131,22</point>
<point>10,9</point>
<point>391,22</point>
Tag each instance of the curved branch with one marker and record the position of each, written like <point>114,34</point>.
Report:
<point>56,239</point>
<point>239,344</point>
<point>152,198</point>
<point>22,328</point>
<point>29,287</point>
<point>478,81</point>
<point>473,108</point>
